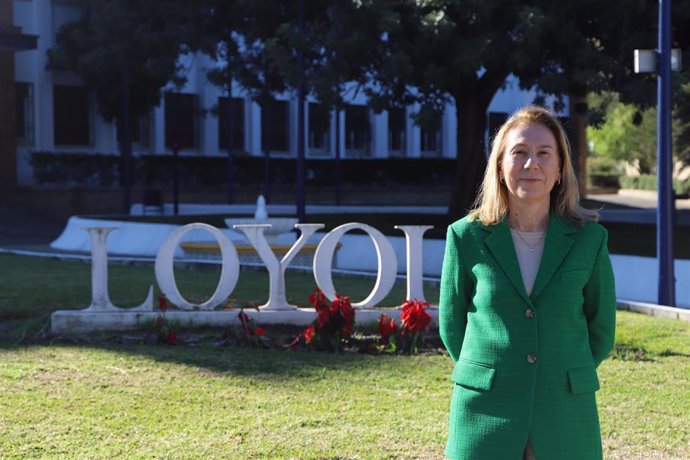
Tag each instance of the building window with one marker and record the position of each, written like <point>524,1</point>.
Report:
<point>71,115</point>
<point>430,134</point>
<point>275,126</point>
<point>181,121</point>
<point>141,131</point>
<point>24,98</point>
<point>237,106</point>
<point>397,122</point>
<point>431,141</point>
<point>319,128</point>
<point>357,130</point>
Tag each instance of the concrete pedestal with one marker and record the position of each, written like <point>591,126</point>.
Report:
<point>75,322</point>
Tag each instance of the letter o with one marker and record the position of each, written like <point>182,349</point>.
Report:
<point>165,272</point>
<point>387,263</point>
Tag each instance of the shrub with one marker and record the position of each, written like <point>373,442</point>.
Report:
<point>75,168</point>
<point>602,165</point>
<point>650,182</point>
<point>333,324</point>
<point>603,172</point>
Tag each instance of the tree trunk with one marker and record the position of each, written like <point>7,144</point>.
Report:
<point>472,99</point>
<point>230,167</point>
<point>578,135</point>
<point>125,123</point>
<point>471,161</point>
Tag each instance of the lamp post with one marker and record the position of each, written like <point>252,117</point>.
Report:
<point>299,173</point>
<point>664,164</point>
<point>176,178</point>
<point>230,139</point>
<point>660,61</point>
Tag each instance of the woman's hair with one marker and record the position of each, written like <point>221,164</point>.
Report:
<point>491,204</point>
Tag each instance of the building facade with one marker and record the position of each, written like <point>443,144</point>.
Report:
<point>55,113</point>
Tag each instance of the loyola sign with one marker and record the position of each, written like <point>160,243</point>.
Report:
<point>277,301</point>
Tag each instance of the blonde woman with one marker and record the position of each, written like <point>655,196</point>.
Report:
<point>527,306</point>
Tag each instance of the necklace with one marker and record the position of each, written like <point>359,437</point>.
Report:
<point>531,247</point>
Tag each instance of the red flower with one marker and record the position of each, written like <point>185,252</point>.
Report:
<point>346,331</point>
<point>308,334</point>
<point>387,328</point>
<point>334,320</point>
<point>345,307</point>
<point>413,316</point>
<point>172,337</point>
<point>260,331</point>
<point>317,298</point>
<point>323,318</point>
<point>341,307</point>
<point>162,303</point>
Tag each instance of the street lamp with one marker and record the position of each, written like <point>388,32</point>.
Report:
<point>662,62</point>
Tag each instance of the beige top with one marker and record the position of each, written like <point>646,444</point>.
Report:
<point>529,247</point>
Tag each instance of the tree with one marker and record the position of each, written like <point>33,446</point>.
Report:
<point>435,51</point>
<point>125,51</point>
<point>591,52</point>
<point>467,49</point>
<point>626,118</point>
<point>268,47</point>
<point>627,134</point>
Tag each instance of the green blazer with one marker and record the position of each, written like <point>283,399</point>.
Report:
<point>525,366</point>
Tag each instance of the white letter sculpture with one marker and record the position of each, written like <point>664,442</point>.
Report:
<point>414,245</point>
<point>276,270</point>
<point>387,263</point>
<point>165,271</point>
<point>100,300</point>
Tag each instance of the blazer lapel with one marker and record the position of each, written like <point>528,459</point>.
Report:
<point>557,244</point>
<point>500,244</point>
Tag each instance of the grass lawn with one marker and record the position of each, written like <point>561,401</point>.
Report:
<point>28,286</point>
<point>103,400</point>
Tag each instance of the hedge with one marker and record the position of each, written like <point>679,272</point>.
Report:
<point>649,182</point>
<point>51,168</point>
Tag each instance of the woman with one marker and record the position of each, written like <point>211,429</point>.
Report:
<point>527,306</point>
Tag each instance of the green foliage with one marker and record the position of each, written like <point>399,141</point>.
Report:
<point>603,165</point>
<point>426,53</point>
<point>603,172</point>
<point>681,115</point>
<point>75,168</point>
<point>202,172</point>
<point>650,182</point>
<point>626,134</point>
<point>118,43</point>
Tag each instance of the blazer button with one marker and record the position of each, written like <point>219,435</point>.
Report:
<point>529,312</point>
<point>532,358</point>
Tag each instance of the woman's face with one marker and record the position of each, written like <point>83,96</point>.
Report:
<point>531,163</point>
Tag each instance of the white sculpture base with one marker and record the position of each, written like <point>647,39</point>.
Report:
<point>73,322</point>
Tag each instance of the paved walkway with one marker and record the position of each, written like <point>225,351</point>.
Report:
<point>637,199</point>
<point>20,229</point>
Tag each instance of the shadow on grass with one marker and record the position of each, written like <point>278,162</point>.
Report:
<point>627,352</point>
<point>237,360</point>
